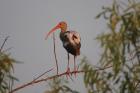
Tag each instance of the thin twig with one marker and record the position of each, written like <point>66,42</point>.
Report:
<point>5,50</point>
<point>42,74</point>
<point>55,52</point>
<point>3,43</point>
<point>137,84</point>
<point>52,77</point>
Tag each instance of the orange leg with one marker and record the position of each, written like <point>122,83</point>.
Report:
<point>68,68</point>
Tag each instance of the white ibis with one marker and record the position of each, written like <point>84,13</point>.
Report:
<point>70,40</point>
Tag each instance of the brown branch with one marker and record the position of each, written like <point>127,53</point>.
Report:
<point>3,43</point>
<point>138,82</point>
<point>54,49</point>
<point>41,80</point>
<point>42,74</point>
<point>52,77</point>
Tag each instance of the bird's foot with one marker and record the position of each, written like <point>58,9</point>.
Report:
<point>68,72</point>
<point>75,70</point>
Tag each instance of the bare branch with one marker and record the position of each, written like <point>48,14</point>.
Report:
<point>42,74</point>
<point>4,43</point>
<point>52,77</point>
<point>55,52</point>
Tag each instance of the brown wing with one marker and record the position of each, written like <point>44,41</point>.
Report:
<point>76,38</point>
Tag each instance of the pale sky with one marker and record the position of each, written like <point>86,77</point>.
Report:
<point>28,21</point>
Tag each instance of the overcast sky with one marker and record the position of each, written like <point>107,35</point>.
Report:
<point>28,21</point>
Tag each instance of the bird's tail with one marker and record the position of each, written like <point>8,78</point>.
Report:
<point>77,52</point>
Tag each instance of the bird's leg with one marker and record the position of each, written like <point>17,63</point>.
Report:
<point>68,68</point>
<point>75,68</point>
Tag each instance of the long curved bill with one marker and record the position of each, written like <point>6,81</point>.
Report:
<point>54,29</point>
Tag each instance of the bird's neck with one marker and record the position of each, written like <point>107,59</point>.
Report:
<point>62,35</point>
<point>62,32</point>
<point>63,29</point>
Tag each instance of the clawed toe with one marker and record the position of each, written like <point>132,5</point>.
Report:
<point>68,72</point>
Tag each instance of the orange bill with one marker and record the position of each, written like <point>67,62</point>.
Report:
<point>54,29</point>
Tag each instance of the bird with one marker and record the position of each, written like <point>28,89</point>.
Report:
<point>71,41</point>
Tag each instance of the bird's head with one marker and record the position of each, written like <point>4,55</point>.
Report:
<point>61,25</point>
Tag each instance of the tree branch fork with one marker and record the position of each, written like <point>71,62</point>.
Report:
<point>38,80</point>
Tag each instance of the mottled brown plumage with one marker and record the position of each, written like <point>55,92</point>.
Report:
<point>68,39</point>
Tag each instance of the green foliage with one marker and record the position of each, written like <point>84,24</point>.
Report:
<point>95,79</point>
<point>120,60</point>
<point>6,70</point>
<point>59,85</point>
